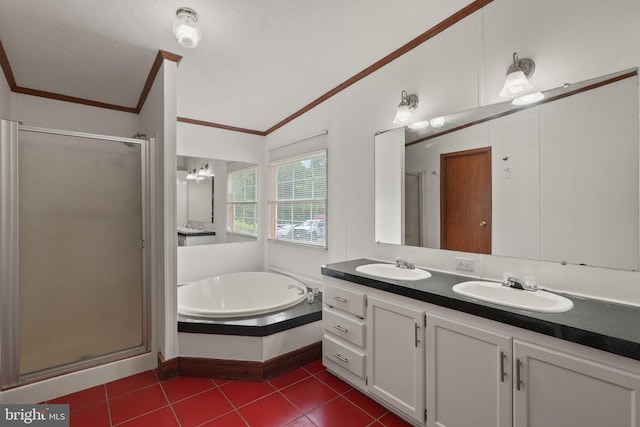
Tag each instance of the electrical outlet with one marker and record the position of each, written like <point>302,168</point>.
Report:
<point>464,264</point>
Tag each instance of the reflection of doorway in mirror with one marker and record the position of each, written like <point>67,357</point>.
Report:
<point>465,200</point>
<point>213,198</point>
<point>413,201</point>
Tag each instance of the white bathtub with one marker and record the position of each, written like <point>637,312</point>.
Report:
<point>239,295</point>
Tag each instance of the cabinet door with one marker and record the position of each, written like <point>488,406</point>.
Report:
<point>468,375</point>
<point>395,364</point>
<point>555,389</point>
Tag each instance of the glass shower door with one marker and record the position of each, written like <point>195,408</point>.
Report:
<point>81,259</point>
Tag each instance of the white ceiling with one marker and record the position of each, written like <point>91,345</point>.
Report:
<point>259,61</point>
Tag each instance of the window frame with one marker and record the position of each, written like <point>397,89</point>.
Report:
<point>273,202</point>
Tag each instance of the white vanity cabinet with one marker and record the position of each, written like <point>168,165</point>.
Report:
<point>557,389</point>
<point>343,340</point>
<point>395,366</point>
<point>376,343</point>
<point>469,375</point>
<point>470,371</point>
<point>482,377</point>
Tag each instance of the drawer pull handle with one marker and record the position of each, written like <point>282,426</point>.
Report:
<point>340,299</point>
<point>341,329</point>
<point>340,358</point>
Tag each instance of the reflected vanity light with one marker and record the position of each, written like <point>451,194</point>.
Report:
<point>192,175</point>
<point>204,171</point>
<point>437,122</point>
<point>407,104</point>
<point>518,74</point>
<point>528,98</point>
<point>421,124</point>
<point>186,28</point>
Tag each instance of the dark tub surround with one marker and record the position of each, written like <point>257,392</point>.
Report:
<point>196,233</point>
<point>255,326</point>
<point>594,323</point>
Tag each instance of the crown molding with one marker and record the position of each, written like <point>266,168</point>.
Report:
<point>164,55</point>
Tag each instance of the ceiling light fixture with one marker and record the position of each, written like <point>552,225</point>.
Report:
<point>186,28</point>
<point>406,106</point>
<point>518,74</point>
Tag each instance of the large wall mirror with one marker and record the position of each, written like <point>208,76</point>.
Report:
<point>556,181</point>
<point>216,201</point>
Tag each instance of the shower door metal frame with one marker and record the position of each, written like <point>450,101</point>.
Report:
<point>9,263</point>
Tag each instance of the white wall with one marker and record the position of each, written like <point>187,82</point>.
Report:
<point>6,98</point>
<point>197,262</point>
<point>49,113</point>
<point>463,68</point>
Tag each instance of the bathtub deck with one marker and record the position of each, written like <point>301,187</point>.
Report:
<point>256,326</point>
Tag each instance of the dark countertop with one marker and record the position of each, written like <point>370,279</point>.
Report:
<point>195,233</point>
<point>255,326</point>
<point>607,326</point>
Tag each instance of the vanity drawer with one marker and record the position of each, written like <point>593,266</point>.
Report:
<point>345,299</point>
<point>348,328</point>
<point>336,354</point>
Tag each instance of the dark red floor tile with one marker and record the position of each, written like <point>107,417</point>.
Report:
<point>332,381</point>
<point>163,417</point>
<point>179,388</point>
<point>82,398</point>
<point>96,415</point>
<point>301,422</point>
<point>339,412</point>
<point>315,366</point>
<point>308,394</point>
<point>289,378</point>
<point>273,410</point>
<point>201,408</point>
<point>242,392</point>
<point>137,403</point>
<point>129,384</point>
<point>365,403</point>
<point>232,419</point>
<point>392,420</point>
<point>221,381</point>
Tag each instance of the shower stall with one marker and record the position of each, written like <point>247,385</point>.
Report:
<point>74,290</point>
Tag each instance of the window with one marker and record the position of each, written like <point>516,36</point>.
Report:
<point>242,202</point>
<point>298,199</point>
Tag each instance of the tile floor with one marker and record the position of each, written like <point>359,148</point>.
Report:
<point>306,396</point>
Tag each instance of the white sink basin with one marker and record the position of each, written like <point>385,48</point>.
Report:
<point>496,293</point>
<point>390,271</point>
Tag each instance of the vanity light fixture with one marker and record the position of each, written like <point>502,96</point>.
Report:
<point>203,171</point>
<point>405,108</point>
<point>518,74</point>
<point>192,175</point>
<point>186,28</point>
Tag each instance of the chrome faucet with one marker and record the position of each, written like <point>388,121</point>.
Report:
<point>514,282</point>
<point>402,263</point>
